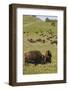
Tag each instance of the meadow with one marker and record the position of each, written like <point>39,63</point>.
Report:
<point>45,31</point>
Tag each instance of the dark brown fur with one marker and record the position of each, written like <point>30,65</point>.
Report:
<point>35,57</point>
<point>39,40</point>
<point>31,40</point>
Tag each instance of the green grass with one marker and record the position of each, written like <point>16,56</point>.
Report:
<point>32,25</point>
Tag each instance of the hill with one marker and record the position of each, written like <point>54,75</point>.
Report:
<point>33,24</point>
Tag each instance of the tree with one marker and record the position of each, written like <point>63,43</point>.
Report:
<point>47,19</point>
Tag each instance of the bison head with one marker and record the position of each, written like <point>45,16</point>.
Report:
<point>47,57</point>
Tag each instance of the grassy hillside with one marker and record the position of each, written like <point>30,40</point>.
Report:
<point>33,24</point>
<point>34,29</point>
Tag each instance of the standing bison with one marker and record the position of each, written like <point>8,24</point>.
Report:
<point>35,57</point>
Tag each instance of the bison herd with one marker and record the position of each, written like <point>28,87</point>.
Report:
<point>36,57</point>
<point>44,39</point>
<point>37,40</point>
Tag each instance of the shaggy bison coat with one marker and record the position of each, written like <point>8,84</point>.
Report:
<point>35,57</point>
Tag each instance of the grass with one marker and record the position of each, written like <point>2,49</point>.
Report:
<point>31,26</point>
<point>32,69</point>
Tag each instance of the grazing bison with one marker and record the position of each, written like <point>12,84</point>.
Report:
<point>39,40</point>
<point>41,34</point>
<point>54,42</point>
<point>43,41</point>
<point>35,57</point>
<point>31,40</point>
<point>44,35</point>
<point>36,32</point>
<point>24,32</point>
<point>48,38</point>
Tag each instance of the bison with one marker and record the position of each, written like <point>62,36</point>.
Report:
<point>39,40</point>
<point>35,57</point>
<point>41,34</point>
<point>54,42</point>
<point>31,40</point>
<point>43,41</point>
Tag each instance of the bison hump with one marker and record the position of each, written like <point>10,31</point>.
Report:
<point>34,55</point>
